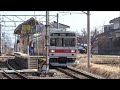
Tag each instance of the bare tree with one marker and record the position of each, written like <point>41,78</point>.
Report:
<point>94,33</point>
<point>84,36</point>
<point>79,37</point>
<point>96,37</point>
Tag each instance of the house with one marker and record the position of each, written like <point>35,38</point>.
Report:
<point>23,34</point>
<point>109,41</point>
<point>60,25</point>
<point>53,25</point>
<point>115,22</point>
<point>108,27</point>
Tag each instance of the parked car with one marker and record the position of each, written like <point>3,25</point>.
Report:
<point>82,49</point>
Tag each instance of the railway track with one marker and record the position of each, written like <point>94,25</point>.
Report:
<point>11,75</point>
<point>75,74</point>
<point>16,75</point>
<point>4,65</point>
<point>4,76</point>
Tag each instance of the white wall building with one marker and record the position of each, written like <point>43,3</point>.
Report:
<point>115,22</point>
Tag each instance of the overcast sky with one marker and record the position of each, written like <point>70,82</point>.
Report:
<point>75,20</point>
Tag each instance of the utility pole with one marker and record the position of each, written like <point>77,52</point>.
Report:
<point>15,44</point>
<point>88,39</point>
<point>0,39</point>
<point>119,19</point>
<point>47,25</point>
<point>3,43</point>
<point>0,36</point>
<point>57,21</point>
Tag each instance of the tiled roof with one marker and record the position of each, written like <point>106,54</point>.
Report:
<point>54,24</point>
<point>30,21</point>
<point>114,20</point>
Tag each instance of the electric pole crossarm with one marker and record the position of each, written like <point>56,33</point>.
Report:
<point>86,12</point>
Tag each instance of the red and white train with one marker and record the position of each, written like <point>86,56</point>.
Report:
<point>62,47</point>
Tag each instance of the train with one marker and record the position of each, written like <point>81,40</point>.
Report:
<point>62,48</point>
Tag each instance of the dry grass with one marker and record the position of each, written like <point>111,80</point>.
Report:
<point>102,70</point>
<point>100,59</point>
<point>103,65</point>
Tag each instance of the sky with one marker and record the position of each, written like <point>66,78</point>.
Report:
<point>77,20</point>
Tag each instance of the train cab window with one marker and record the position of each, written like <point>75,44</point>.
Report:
<point>55,34</point>
<point>63,34</point>
<point>59,42</point>
<point>70,34</point>
<point>69,42</point>
<point>56,42</point>
<point>52,42</point>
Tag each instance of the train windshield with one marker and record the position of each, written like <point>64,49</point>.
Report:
<point>62,42</point>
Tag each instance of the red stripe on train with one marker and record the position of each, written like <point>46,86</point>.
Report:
<point>61,51</point>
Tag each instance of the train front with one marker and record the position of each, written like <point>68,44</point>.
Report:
<point>62,50</point>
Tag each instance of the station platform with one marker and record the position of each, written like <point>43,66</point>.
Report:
<point>4,58</point>
<point>24,70</point>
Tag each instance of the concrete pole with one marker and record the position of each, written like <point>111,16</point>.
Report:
<point>88,39</point>
<point>15,44</point>
<point>119,19</point>
<point>0,40</point>
<point>47,24</point>
<point>57,21</point>
<point>0,36</point>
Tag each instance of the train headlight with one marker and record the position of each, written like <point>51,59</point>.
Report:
<point>72,51</point>
<point>52,51</point>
